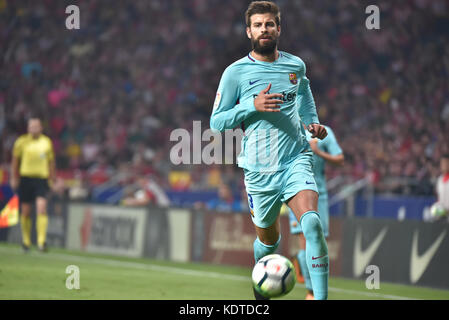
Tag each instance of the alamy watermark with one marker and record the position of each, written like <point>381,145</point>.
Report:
<point>373,20</point>
<point>73,20</point>
<point>373,280</point>
<point>261,146</point>
<point>73,280</point>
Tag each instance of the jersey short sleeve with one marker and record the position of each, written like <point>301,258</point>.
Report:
<point>51,153</point>
<point>17,150</point>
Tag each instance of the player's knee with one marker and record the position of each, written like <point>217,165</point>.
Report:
<point>41,206</point>
<point>25,210</point>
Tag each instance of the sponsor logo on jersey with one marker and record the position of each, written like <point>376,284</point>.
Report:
<point>253,82</point>
<point>286,97</point>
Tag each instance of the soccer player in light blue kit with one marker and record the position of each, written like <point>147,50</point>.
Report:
<point>326,150</point>
<point>275,155</point>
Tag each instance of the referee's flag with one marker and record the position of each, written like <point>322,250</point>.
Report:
<point>9,216</point>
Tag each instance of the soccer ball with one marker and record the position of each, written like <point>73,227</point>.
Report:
<point>437,210</point>
<point>274,276</point>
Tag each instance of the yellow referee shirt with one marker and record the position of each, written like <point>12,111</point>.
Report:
<point>34,155</point>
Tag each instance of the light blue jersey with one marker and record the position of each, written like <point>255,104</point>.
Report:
<point>272,140</point>
<point>330,145</point>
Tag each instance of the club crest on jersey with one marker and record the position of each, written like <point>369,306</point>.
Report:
<point>293,78</point>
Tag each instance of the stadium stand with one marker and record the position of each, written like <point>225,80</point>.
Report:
<point>112,92</point>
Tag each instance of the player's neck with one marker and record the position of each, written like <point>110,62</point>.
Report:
<point>266,58</point>
<point>35,136</point>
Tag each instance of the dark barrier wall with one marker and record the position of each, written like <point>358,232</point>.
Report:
<point>153,232</point>
<point>106,229</point>
<point>408,252</point>
<point>228,238</point>
<point>157,234</point>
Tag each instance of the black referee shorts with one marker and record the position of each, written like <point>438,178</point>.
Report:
<point>31,188</point>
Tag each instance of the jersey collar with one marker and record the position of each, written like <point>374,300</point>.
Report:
<point>250,57</point>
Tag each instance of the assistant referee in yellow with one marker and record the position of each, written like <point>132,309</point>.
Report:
<point>32,169</point>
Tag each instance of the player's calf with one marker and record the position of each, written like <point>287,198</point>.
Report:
<point>316,254</point>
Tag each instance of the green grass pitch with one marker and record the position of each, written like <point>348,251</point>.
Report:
<point>38,275</point>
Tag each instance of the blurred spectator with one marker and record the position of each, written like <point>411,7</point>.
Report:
<point>442,186</point>
<point>227,201</point>
<point>224,202</point>
<point>89,152</point>
<point>146,192</point>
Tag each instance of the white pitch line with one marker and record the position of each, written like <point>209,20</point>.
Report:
<point>368,294</point>
<point>210,274</point>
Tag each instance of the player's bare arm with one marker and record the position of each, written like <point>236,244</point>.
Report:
<point>267,102</point>
<point>14,173</point>
<point>52,176</point>
<point>337,160</point>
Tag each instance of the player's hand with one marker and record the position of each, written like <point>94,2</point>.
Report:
<point>313,145</point>
<point>317,131</point>
<point>267,102</point>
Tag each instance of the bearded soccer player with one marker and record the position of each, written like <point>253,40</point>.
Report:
<point>268,94</point>
<point>33,165</point>
<point>324,151</point>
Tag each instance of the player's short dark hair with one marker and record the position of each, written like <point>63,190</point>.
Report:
<point>260,7</point>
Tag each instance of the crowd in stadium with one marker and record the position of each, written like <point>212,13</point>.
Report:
<point>111,92</point>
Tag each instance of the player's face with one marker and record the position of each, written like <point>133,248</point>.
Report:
<point>34,127</point>
<point>263,32</point>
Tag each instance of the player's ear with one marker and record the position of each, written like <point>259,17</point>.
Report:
<point>279,30</point>
<point>248,32</point>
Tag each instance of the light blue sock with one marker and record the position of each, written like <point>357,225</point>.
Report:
<point>304,269</point>
<point>317,258</point>
<point>261,249</point>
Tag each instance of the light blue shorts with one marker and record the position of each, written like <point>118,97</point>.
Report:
<point>267,191</point>
<point>323,212</point>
